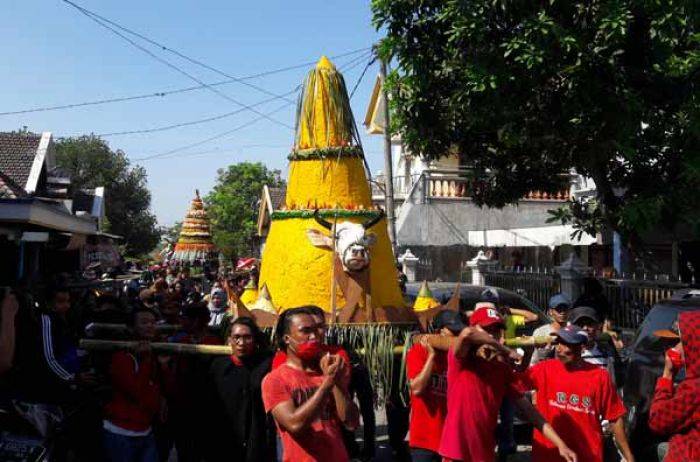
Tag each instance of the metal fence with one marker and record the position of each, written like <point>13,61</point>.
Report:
<point>631,299</point>
<point>424,271</point>
<point>535,284</point>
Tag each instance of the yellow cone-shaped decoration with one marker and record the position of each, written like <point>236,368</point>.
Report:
<point>425,300</point>
<point>250,293</point>
<point>326,172</point>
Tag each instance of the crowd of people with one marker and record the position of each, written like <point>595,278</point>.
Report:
<point>293,398</point>
<point>566,388</point>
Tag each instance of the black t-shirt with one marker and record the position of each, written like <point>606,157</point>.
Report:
<point>240,426</point>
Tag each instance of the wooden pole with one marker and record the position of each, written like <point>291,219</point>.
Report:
<point>96,328</point>
<point>157,347</point>
<point>388,164</point>
<point>333,265</point>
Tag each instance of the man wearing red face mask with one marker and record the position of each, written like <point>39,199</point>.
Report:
<point>306,395</point>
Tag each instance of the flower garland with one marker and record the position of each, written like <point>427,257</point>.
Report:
<point>328,213</point>
<point>326,153</point>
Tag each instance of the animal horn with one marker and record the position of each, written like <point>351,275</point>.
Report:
<point>373,221</point>
<point>321,221</point>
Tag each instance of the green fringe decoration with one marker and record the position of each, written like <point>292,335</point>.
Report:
<point>326,213</point>
<point>339,112</point>
<point>326,153</point>
<point>373,345</point>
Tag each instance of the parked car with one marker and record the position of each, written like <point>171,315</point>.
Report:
<point>470,294</point>
<point>646,364</point>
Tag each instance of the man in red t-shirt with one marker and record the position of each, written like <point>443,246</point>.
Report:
<point>575,396</point>
<point>306,395</point>
<point>426,369</point>
<point>479,375</point>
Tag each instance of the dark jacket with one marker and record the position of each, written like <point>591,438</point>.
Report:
<point>239,423</point>
<point>46,359</point>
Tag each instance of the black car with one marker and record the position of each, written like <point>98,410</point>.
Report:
<point>469,295</point>
<point>645,365</point>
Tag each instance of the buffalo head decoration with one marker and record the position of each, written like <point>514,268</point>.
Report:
<point>352,241</point>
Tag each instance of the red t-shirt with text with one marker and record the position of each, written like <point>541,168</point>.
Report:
<point>322,440</point>
<point>573,401</point>
<point>428,409</point>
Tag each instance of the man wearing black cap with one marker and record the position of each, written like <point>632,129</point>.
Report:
<point>574,396</point>
<point>597,351</point>
<point>426,369</point>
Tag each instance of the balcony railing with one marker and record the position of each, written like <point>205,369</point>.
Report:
<point>402,185</point>
<point>448,184</point>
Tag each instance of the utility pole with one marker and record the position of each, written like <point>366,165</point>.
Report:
<point>388,166</point>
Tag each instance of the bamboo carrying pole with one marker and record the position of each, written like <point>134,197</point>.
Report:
<point>438,342</point>
<point>443,343</point>
<point>157,347</point>
<point>97,327</point>
<point>527,341</point>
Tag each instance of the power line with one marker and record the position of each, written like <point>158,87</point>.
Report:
<point>173,66</point>
<point>168,154</point>
<point>371,61</point>
<point>170,50</point>
<point>220,150</point>
<point>217,136</point>
<point>160,94</point>
<point>354,62</point>
<point>194,122</point>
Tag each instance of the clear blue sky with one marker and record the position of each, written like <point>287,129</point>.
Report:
<point>52,54</point>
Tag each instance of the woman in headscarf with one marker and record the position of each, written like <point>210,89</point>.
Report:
<point>217,307</point>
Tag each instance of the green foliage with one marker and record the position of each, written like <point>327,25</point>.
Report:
<point>233,206</point>
<point>91,163</point>
<point>526,91</point>
<point>171,233</point>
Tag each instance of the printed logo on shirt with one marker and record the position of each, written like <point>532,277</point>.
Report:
<point>572,403</point>
<point>438,384</point>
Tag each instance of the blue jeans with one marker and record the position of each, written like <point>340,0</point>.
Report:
<point>506,439</point>
<point>120,448</point>
<point>424,455</point>
<point>279,448</point>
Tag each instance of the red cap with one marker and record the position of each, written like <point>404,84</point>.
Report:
<point>485,316</point>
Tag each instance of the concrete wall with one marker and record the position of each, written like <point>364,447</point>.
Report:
<point>448,263</point>
<point>446,222</point>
